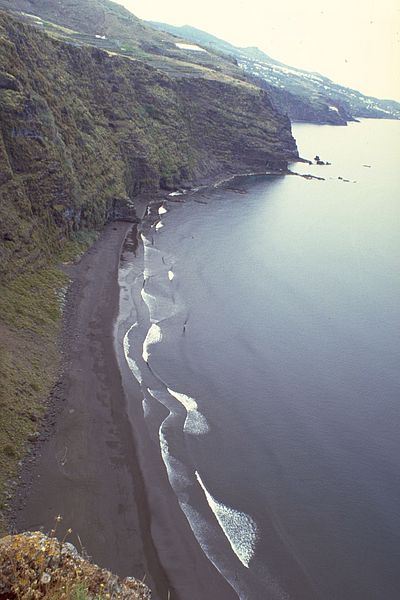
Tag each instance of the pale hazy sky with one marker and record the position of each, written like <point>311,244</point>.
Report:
<point>354,42</point>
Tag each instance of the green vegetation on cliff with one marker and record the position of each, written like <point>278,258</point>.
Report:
<point>30,318</point>
<point>79,130</point>
<point>29,325</point>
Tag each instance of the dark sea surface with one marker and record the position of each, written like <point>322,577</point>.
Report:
<point>268,316</point>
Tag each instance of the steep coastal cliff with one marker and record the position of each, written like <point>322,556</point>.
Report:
<point>80,129</point>
<point>83,133</point>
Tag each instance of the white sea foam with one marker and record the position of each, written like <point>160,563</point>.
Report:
<point>164,451</point>
<point>175,194</point>
<point>159,225</point>
<point>171,275</point>
<point>146,407</point>
<point>131,363</point>
<point>204,534</point>
<point>162,210</point>
<point>151,303</point>
<point>147,298</point>
<point>195,422</point>
<point>145,240</point>
<point>239,528</point>
<point>154,336</point>
<point>188,402</point>
<point>177,472</point>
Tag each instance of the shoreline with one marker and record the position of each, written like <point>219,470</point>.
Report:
<point>295,579</point>
<point>67,470</point>
<point>190,572</point>
<point>87,448</point>
<point>84,465</point>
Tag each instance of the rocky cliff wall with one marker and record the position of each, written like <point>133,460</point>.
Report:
<point>80,129</point>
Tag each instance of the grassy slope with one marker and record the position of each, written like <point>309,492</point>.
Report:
<point>28,359</point>
<point>30,320</point>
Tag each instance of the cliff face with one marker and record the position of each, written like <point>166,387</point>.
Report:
<point>80,129</point>
<point>310,109</point>
<point>82,134</point>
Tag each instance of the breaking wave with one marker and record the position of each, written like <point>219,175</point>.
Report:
<point>195,422</point>
<point>145,240</point>
<point>146,407</point>
<point>178,475</point>
<point>131,363</point>
<point>151,303</point>
<point>239,528</point>
<point>154,336</point>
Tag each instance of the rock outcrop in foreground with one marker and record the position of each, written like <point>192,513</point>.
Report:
<point>33,565</point>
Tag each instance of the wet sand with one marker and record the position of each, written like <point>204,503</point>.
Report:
<point>89,466</point>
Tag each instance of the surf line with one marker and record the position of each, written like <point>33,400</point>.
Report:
<point>195,422</point>
<point>239,529</point>
<point>180,477</point>
<point>131,363</point>
<point>154,336</point>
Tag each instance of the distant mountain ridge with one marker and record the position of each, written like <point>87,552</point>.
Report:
<point>302,95</point>
<point>111,27</point>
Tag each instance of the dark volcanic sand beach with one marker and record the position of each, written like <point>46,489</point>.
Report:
<point>87,468</point>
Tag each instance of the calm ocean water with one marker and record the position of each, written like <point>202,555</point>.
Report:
<point>268,330</point>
